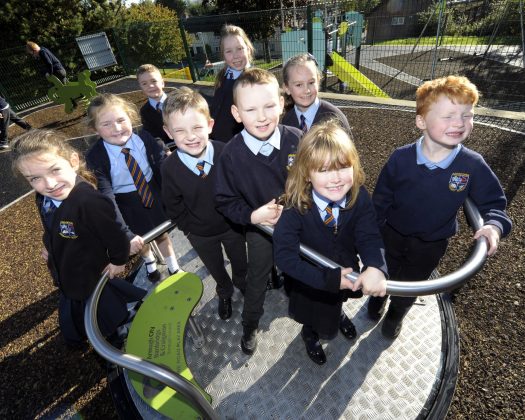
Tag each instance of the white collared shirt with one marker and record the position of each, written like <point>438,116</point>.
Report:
<point>254,144</point>
<point>309,114</point>
<point>322,202</point>
<point>191,161</point>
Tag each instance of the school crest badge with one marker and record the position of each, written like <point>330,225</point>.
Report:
<point>458,182</point>
<point>67,230</point>
<point>291,159</point>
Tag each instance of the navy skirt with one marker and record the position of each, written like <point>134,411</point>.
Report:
<point>141,219</point>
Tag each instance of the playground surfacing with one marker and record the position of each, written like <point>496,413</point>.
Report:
<point>47,380</point>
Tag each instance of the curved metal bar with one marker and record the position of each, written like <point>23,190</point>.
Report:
<point>135,363</point>
<point>423,287</point>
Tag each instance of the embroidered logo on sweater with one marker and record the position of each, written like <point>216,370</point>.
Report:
<point>291,159</point>
<point>67,230</point>
<point>458,182</point>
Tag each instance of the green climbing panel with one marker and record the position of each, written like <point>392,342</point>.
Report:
<point>72,93</point>
<point>157,335</point>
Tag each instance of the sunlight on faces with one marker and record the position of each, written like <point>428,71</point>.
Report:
<point>303,84</point>
<point>50,174</point>
<point>151,84</point>
<point>446,123</point>
<point>258,107</point>
<point>189,131</point>
<point>235,52</point>
<point>332,183</point>
<point>113,125</point>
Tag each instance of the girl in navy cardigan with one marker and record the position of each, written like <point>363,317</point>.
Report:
<point>237,52</point>
<point>81,235</point>
<point>328,209</point>
<point>301,78</point>
<point>127,167</point>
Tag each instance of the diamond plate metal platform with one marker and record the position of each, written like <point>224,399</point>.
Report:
<point>367,378</point>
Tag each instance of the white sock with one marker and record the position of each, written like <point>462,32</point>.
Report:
<point>151,263</point>
<point>172,263</point>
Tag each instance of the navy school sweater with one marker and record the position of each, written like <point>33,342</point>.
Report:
<point>83,238</point>
<point>189,199</point>
<point>245,181</point>
<point>357,234</point>
<point>225,126</point>
<point>152,122</point>
<point>325,112</point>
<point>423,203</point>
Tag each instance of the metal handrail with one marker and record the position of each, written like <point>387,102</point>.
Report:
<point>424,287</point>
<point>175,381</point>
<point>135,363</point>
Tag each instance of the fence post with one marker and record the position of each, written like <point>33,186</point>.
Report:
<point>119,51</point>
<point>522,35</point>
<point>310,29</point>
<point>434,58</point>
<point>187,50</point>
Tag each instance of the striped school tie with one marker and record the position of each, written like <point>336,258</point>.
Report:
<point>158,108</point>
<point>138,179</point>
<point>200,168</point>
<point>303,125</point>
<point>329,219</point>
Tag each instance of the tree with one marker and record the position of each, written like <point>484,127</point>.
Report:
<point>50,22</point>
<point>179,6</point>
<point>149,33</point>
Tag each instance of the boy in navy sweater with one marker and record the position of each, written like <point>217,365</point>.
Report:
<point>152,84</point>
<point>251,175</point>
<point>188,177</point>
<point>422,187</point>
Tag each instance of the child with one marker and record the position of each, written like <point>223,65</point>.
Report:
<point>6,116</point>
<point>237,52</point>
<point>328,209</point>
<point>127,167</point>
<point>81,236</point>
<point>301,82</point>
<point>422,187</point>
<point>188,176</point>
<point>251,174</point>
<point>152,84</point>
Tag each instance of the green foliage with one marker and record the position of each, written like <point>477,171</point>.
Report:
<point>497,16</point>
<point>263,25</point>
<point>149,33</point>
<point>453,40</point>
<point>48,22</point>
<point>178,6</point>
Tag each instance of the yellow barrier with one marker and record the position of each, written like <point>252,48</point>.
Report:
<point>179,74</point>
<point>356,80</point>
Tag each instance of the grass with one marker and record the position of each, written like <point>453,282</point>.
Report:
<point>453,40</point>
<point>181,74</point>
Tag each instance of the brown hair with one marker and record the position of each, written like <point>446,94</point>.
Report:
<point>232,30</point>
<point>326,140</point>
<point>37,142</point>
<point>254,76</point>
<point>108,99</point>
<point>179,100</point>
<point>147,68</point>
<point>458,89</point>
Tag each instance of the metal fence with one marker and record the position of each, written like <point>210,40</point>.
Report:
<point>387,51</point>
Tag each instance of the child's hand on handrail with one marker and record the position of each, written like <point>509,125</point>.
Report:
<point>493,235</point>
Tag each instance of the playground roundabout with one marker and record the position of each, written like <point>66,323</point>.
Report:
<point>44,379</point>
